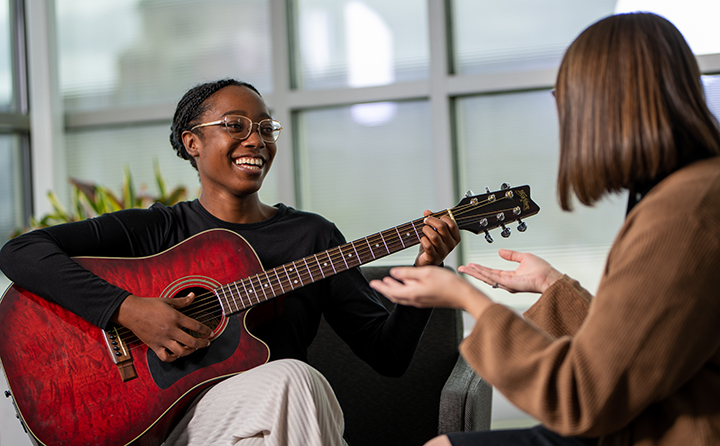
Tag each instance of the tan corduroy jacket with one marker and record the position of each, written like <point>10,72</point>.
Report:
<point>639,363</point>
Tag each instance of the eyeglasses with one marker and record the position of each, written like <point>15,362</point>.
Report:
<point>240,127</point>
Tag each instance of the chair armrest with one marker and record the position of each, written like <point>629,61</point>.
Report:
<point>465,401</point>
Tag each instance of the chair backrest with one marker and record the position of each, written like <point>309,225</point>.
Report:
<point>390,411</point>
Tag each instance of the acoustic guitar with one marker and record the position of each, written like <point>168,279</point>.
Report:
<point>75,384</point>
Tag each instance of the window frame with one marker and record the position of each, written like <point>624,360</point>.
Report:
<point>16,120</point>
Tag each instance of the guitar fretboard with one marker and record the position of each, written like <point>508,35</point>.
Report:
<point>250,291</point>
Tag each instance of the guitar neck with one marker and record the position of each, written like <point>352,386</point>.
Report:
<point>479,213</point>
<point>253,290</point>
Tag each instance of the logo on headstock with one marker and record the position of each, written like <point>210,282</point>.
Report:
<point>524,199</point>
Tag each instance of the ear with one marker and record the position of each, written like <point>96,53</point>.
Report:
<point>192,143</point>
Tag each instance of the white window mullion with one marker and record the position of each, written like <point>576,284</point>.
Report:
<point>46,110</point>
<point>278,102</point>
<point>440,112</point>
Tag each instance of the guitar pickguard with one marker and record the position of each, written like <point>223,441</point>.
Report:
<point>165,374</point>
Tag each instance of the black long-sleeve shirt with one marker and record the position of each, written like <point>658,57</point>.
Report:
<point>40,261</point>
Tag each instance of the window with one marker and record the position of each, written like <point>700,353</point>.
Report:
<point>130,53</point>
<point>712,93</point>
<point>6,61</point>
<point>353,43</point>
<point>124,66</point>
<point>513,138</point>
<point>696,19</point>
<point>15,190</point>
<point>521,35</point>
<point>12,212</point>
<point>367,167</point>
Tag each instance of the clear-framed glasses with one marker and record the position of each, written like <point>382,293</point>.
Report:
<point>240,127</point>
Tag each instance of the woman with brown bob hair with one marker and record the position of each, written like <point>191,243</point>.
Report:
<point>631,108</point>
<point>639,362</point>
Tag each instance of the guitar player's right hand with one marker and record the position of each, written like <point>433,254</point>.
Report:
<point>159,324</point>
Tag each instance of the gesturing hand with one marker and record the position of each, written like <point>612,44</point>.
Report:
<point>159,324</point>
<point>533,274</point>
<point>430,286</point>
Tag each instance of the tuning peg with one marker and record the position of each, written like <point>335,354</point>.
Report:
<point>505,232</point>
<point>469,193</point>
<point>488,238</point>
<point>505,186</point>
<point>487,190</point>
<point>522,226</point>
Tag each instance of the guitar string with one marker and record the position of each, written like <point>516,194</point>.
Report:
<point>207,303</point>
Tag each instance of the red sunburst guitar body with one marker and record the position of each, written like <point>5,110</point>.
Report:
<point>61,374</point>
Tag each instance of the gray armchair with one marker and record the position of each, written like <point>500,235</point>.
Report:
<point>439,393</point>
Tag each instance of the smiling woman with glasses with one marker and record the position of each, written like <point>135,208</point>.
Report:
<point>219,255</point>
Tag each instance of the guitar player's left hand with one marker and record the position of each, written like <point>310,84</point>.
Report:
<point>441,235</point>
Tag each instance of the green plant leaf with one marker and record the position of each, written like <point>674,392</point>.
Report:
<point>91,200</point>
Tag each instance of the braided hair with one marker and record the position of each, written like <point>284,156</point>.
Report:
<point>192,105</point>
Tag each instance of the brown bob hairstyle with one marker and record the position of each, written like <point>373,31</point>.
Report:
<point>631,108</point>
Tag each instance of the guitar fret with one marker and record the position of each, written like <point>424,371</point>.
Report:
<point>297,273</point>
<point>332,265</point>
<point>342,256</point>
<point>269,284</point>
<point>240,294</point>
<point>232,298</point>
<point>406,228</point>
<point>371,250</point>
<point>279,281</point>
<point>307,275</point>
<point>246,293</point>
<point>399,236</point>
<point>219,298</point>
<point>307,267</point>
<point>259,284</point>
<point>328,266</point>
<point>378,246</point>
<point>288,277</point>
<point>357,256</point>
<point>415,229</point>
<point>383,240</point>
<point>230,293</point>
<point>318,263</point>
<point>252,292</point>
<point>331,259</point>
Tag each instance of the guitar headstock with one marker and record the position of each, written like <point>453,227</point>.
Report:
<point>481,213</point>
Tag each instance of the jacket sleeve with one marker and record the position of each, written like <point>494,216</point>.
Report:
<point>561,309</point>
<point>41,260</point>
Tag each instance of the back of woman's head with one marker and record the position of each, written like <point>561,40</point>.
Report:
<point>631,107</point>
<point>191,107</point>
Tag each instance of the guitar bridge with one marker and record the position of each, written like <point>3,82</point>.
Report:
<point>120,354</point>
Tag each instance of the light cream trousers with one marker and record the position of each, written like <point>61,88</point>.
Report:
<point>281,403</point>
